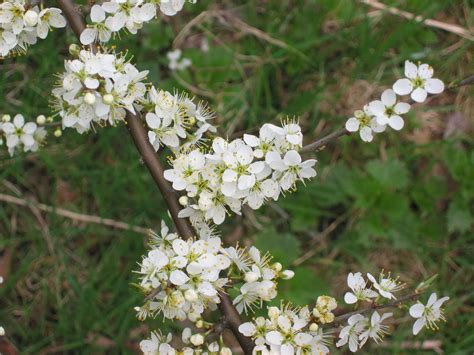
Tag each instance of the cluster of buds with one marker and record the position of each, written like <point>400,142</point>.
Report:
<point>111,17</point>
<point>97,88</point>
<point>20,135</point>
<point>182,278</point>
<point>241,172</point>
<point>21,25</point>
<point>174,120</point>
<point>388,111</point>
<point>260,277</point>
<point>322,311</point>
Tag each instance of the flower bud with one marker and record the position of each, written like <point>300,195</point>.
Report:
<point>287,274</point>
<point>199,324</point>
<point>74,49</point>
<point>41,119</point>
<point>58,133</point>
<point>225,351</point>
<point>2,331</point>
<point>251,276</point>
<point>6,118</point>
<point>277,267</point>
<point>273,312</point>
<point>183,200</point>
<point>108,99</point>
<point>191,295</point>
<point>197,339</point>
<point>313,327</point>
<point>49,119</point>
<point>31,18</point>
<point>89,98</point>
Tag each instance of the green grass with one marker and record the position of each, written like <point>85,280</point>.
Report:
<point>406,200</point>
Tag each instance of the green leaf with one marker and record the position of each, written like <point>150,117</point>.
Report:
<point>284,247</point>
<point>297,289</point>
<point>390,174</point>
<point>459,217</point>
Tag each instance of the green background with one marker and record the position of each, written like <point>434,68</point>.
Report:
<point>403,203</point>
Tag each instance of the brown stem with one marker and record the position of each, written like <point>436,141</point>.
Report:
<point>324,141</point>
<point>150,158</point>
<point>374,306</point>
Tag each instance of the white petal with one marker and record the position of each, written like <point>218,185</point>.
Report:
<point>389,98</point>
<point>403,87</point>
<point>396,122</point>
<point>29,128</point>
<point>366,134</point>
<point>377,107</point>
<point>248,329</point>
<point>419,324</point>
<point>350,298</point>
<point>178,278</point>
<point>352,124</point>
<point>152,121</point>
<point>291,158</point>
<point>425,71</point>
<point>88,36</point>
<point>180,247</point>
<point>274,337</point>
<point>434,86</point>
<point>402,107</point>
<point>18,121</point>
<point>251,140</point>
<point>416,311</point>
<point>303,339</point>
<point>411,70</point>
<point>419,95</point>
<point>97,13</point>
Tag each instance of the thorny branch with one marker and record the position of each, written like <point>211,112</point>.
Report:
<point>152,162</point>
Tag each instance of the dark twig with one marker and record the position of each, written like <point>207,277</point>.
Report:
<point>374,307</point>
<point>324,141</point>
<point>150,158</point>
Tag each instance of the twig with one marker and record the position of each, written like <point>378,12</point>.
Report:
<point>458,30</point>
<point>139,135</point>
<point>73,215</point>
<point>324,141</point>
<point>394,304</point>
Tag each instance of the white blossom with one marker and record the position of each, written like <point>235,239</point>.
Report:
<point>351,332</point>
<point>385,285</point>
<point>365,122</point>
<point>358,285</point>
<point>428,315</point>
<point>419,82</point>
<point>176,62</point>
<point>388,111</point>
<point>374,328</point>
<point>97,88</point>
<point>21,135</point>
<point>21,25</point>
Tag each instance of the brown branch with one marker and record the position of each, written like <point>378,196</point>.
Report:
<point>150,158</point>
<point>324,141</point>
<point>373,307</point>
<point>72,215</point>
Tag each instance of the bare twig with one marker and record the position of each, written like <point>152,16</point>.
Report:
<point>458,30</point>
<point>139,135</point>
<point>324,141</point>
<point>72,215</point>
<point>395,304</point>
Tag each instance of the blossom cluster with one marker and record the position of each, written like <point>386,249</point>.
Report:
<point>97,88</point>
<point>111,17</point>
<point>158,344</point>
<point>176,62</point>
<point>21,25</point>
<point>388,111</point>
<point>287,330</point>
<point>181,278</point>
<point>174,120</point>
<point>20,135</point>
<point>260,277</point>
<point>240,172</point>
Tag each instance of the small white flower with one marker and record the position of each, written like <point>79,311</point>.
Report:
<point>385,285</point>
<point>19,134</point>
<point>176,62</point>
<point>47,18</point>
<point>428,315</point>
<point>171,7</point>
<point>419,82</point>
<point>351,332</point>
<point>98,30</point>
<point>364,122</point>
<point>388,110</point>
<point>375,329</point>
<point>359,291</point>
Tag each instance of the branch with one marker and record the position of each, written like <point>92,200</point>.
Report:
<point>139,135</point>
<point>373,307</point>
<point>324,141</point>
<point>73,215</point>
